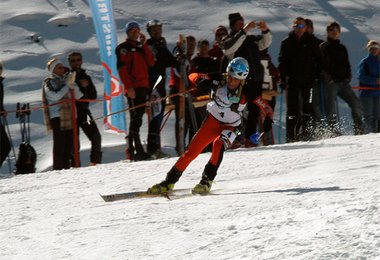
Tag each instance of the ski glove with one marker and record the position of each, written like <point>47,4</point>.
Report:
<point>70,79</point>
<point>267,124</point>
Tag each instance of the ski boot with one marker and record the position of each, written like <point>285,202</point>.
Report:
<point>203,187</point>
<point>168,184</point>
<point>161,188</point>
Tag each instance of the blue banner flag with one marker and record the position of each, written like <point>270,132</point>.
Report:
<point>113,88</point>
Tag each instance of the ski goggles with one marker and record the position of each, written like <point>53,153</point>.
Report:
<point>299,26</point>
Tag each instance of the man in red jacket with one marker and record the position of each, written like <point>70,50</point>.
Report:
<point>133,59</point>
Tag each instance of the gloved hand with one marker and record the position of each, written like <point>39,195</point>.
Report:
<point>267,125</point>
<point>70,79</point>
<point>204,84</point>
<point>234,107</point>
<point>283,86</point>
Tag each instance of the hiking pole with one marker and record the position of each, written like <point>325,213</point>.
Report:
<point>280,116</point>
<point>5,123</point>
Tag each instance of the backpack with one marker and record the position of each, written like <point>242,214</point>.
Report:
<point>27,156</point>
<point>26,160</point>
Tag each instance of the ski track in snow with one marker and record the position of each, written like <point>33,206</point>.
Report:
<point>288,209</point>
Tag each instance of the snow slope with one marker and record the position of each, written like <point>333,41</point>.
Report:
<point>67,25</point>
<point>317,200</point>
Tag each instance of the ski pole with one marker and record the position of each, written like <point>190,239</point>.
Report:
<point>280,116</point>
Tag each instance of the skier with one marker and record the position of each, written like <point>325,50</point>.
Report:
<point>220,126</point>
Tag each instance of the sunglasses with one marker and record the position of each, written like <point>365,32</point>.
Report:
<point>333,30</point>
<point>75,60</point>
<point>299,26</point>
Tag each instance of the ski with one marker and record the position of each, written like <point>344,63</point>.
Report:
<point>143,194</point>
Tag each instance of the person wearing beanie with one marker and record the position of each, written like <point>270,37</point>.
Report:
<point>369,78</point>
<point>238,44</point>
<point>163,59</point>
<point>336,74</point>
<point>133,61</point>
<point>216,51</point>
<point>58,111</point>
<point>5,145</point>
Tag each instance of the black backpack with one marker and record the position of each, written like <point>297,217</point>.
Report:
<point>27,156</point>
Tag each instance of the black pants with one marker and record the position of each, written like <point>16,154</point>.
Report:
<point>5,144</point>
<point>299,112</point>
<point>136,116</point>
<point>90,129</point>
<point>189,129</point>
<point>62,145</point>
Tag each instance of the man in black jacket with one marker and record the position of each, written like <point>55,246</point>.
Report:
<point>84,118</point>
<point>5,146</point>
<point>298,59</point>
<point>336,75</point>
<point>163,59</point>
<point>238,44</point>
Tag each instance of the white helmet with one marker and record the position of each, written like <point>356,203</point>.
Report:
<point>238,68</point>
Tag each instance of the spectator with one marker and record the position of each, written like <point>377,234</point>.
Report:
<point>163,59</point>
<point>369,77</point>
<point>133,59</point>
<point>57,111</point>
<point>216,51</point>
<point>4,140</point>
<point>238,44</point>
<point>84,118</point>
<point>319,97</point>
<point>336,73</point>
<point>271,79</point>
<point>203,63</point>
<point>298,58</point>
<point>174,89</point>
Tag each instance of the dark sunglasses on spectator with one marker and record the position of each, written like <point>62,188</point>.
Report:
<point>333,30</point>
<point>299,26</point>
<point>75,60</point>
<point>220,34</point>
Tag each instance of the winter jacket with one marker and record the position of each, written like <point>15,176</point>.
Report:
<point>1,94</point>
<point>298,59</point>
<point>369,74</point>
<point>239,44</point>
<point>226,105</point>
<point>163,58</point>
<point>89,93</point>
<point>133,60</point>
<point>216,52</point>
<point>336,64</point>
<point>56,90</point>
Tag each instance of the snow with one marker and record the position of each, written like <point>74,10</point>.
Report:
<point>307,200</point>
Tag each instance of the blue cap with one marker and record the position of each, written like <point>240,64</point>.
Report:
<point>131,25</point>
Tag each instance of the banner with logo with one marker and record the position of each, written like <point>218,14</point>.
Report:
<point>102,14</point>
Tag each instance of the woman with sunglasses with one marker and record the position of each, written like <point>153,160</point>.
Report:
<point>219,127</point>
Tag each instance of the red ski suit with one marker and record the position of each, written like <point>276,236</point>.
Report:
<point>221,117</point>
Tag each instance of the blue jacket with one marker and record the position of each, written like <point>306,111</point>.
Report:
<point>369,73</point>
